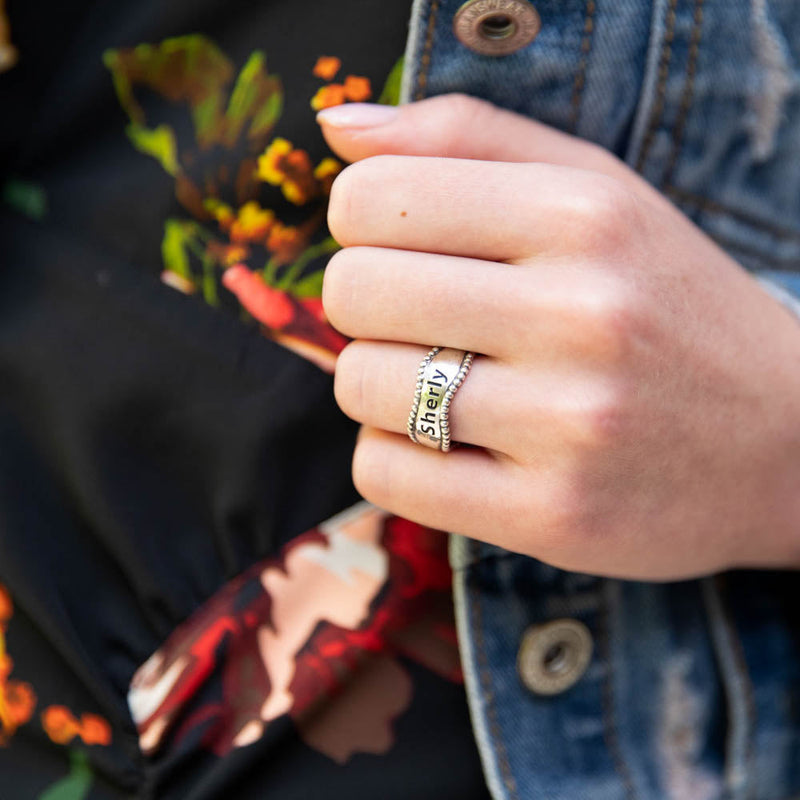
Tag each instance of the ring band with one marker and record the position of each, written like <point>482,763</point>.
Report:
<point>439,377</point>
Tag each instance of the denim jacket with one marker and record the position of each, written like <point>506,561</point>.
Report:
<point>692,689</point>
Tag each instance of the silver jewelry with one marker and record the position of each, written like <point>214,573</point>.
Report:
<point>439,377</point>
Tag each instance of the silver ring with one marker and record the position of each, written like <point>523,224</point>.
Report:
<point>439,377</point>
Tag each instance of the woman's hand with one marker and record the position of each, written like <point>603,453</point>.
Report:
<point>636,401</point>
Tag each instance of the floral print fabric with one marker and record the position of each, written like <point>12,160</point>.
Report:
<point>315,634</point>
<point>176,619</point>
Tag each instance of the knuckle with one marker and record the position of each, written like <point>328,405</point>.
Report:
<point>605,215</point>
<point>612,319</point>
<point>567,520</point>
<point>463,115</point>
<point>601,422</point>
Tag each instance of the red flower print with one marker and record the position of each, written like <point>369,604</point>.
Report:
<point>269,306</point>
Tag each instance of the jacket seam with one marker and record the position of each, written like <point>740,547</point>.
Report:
<point>661,88</point>
<point>425,58</point>
<point>740,664</point>
<point>715,207</point>
<point>580,76</point>
<point>688,91</point>
<point>488,695</point>
<point>607,699</point>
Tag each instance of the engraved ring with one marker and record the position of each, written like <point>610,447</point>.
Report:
<point>439,377</point>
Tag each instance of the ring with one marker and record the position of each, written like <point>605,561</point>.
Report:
<point>439,377</point>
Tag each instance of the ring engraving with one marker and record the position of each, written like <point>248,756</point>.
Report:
<point>439,376</point>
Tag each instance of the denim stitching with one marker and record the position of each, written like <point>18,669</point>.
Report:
<point>661,89</point>
<point>737,651</point>
<point>742,716</point>
<point>425,59</point>
<point>707,204</point>
<point>688,90</point>
<point>609,718</point>
<point>580,75</point>
<point>486,686</point>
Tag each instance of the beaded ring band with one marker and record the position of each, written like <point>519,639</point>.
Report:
<point>439,376</point>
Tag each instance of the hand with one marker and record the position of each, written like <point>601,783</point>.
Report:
<point>635,406</point>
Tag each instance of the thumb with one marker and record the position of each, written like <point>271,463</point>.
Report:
<point>457,126</point>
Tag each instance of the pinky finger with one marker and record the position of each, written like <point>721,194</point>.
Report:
<point>465,491</point>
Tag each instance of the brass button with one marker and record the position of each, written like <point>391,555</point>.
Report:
<point>496,27</point>
<point>553,657</point>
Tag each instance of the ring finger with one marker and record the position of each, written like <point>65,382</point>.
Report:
<point>375,384</point>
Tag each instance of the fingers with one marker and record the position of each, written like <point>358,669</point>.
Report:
<point>529,416</point>
<point>479,209</point>
<point>375,385</point>
<point>458,126</point>
<point>398,295</point>
<point>452,491</point>
<point>544,314</point>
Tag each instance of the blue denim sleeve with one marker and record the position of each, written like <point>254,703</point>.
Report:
<point>783,286</point>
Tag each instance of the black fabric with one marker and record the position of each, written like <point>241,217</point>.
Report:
<point>153,447</point>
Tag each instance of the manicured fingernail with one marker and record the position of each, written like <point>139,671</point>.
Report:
<point>357,115</point>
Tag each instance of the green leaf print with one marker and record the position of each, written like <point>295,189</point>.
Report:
<point>76,785</point>
<point>390,95</point>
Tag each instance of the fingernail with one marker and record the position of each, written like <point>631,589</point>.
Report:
<point>357,115</point>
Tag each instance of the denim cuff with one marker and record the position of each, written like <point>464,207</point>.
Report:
<point>784,287</point>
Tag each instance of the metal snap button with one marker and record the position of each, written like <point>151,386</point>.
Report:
<point>496,27</point>
<point>553,657</point>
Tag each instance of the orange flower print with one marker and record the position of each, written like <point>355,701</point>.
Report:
<point>327,96</point>
<point>357,88</point>
<point>17,699</point>
<point>268,305</point>
<point>20,702</point>
<point>61,725</point>
<point>283,165</point>
<point>327,67</point>
<point>95,730</point>
<point>8,53</point>
<point>6,606</point>
<point>285,243</point>
<point>252,223</point>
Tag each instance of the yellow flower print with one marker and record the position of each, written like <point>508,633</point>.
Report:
<point>283,165</point>
<point>326,171</point>
<point>252,223</point>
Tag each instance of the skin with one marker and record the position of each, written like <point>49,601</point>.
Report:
<point>635,407</point>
